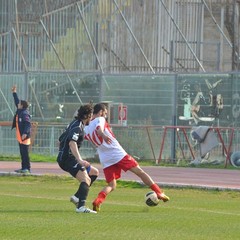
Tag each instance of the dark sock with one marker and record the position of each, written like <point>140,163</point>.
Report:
<point>82,194</point>
<point>77,192</point>
<point>93,178</point>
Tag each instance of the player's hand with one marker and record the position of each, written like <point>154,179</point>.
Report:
<point>85,163</point>
<point>24,136</point>
<point>14,88</point>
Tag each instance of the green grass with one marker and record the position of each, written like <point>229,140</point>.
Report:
<point>33,157</point>
<point>34,207</point>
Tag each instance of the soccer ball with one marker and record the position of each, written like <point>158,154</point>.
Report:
<point>151,199</point>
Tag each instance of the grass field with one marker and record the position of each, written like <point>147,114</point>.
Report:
<point>38,207</point>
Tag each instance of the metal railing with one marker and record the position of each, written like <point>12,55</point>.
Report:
<point>142,142</point>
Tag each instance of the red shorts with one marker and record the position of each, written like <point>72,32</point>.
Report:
<point>114,171</point>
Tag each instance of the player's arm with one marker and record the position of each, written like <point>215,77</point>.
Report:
<point>15,96</point>
<point>74,149</point>
<point>27,126</point>
<point>101,133</point>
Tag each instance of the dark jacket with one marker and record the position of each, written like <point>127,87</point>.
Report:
<point>24,119</point>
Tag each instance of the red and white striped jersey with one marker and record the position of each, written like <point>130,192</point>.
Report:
<point>109,154</point>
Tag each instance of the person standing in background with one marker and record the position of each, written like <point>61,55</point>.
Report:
<point>22,123</point>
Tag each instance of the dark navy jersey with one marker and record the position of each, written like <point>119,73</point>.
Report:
<point>74,132</point>
<point>24,119</point>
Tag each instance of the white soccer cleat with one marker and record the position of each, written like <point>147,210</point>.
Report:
<point>84,209</point>
<point>74,200</point>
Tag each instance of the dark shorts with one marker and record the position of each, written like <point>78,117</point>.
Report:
<point>71,165</point>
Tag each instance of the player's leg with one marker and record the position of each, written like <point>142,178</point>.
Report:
<point>25,160</point>
<point>103,194</point>
<point>147,180</point>
<point>129,163</point>
<point>93,174</point>
<point>82,193</point>
<point>83,189</point>
<point>111,174</point>
<point>79,172</point>
<point>25,156</point>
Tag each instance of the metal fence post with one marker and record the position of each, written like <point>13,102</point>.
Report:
<point>52,140</point>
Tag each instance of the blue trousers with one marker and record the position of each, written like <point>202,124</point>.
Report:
<point>25,156</point>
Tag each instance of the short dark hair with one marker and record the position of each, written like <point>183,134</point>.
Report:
<point>24,103</point>
<point>98,107</point>
<point>84,111</point>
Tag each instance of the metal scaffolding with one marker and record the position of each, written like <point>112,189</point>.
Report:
<point>60,48</point>
<point>111,36</point>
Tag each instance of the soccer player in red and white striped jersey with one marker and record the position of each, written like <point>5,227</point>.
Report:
<point>113,157</point>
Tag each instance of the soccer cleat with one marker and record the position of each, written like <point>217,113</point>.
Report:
<point>84,209</point>
<point>96,206</point>
<point>163,197</point>
<point>23,171</point>
<point>74,200</point>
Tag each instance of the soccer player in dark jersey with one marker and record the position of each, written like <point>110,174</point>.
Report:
<point>70,160</point>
